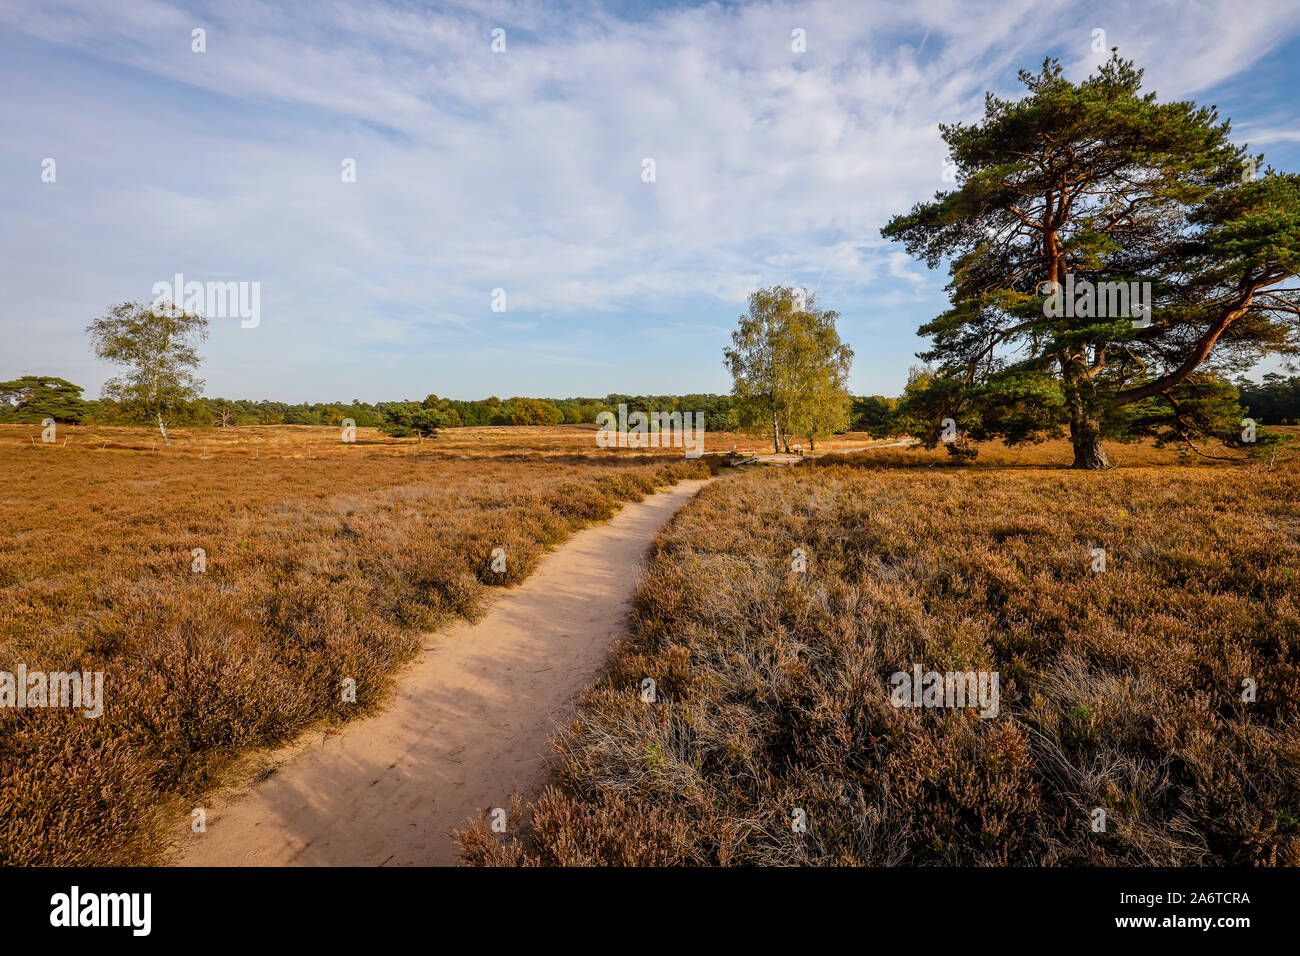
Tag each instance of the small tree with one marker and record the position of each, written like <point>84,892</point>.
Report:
<point>403,419</point>
<point>223,416</point>
<point>788,366</point>
<point>425,422</point>
<point>157,348</point>
<point>34,398</point>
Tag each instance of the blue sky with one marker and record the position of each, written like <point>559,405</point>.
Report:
<point>522,171</point>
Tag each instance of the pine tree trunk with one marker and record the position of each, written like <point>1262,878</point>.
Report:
<point>1085,428</point>
<point>1085,435</point>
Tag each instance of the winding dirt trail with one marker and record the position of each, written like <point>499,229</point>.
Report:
<point>468,725</point>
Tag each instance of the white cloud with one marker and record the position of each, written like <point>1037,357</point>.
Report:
<point>518,170</point>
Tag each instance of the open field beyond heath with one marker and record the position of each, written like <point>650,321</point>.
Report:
<point>316,572</point>
<point>1121,691</point>
<point>303,441</point>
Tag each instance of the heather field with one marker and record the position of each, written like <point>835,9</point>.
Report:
<point>1158,696</point>
<point>311,441</point>
<point>314,572</point>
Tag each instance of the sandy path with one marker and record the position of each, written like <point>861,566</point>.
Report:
<point>468,725</point>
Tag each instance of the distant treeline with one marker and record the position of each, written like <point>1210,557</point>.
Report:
<point>1275,401</point>
<point>425,417</point>
<point>34,398</point>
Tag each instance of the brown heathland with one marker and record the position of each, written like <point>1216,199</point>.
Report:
<point>1120,690</point>
<point>316,571</point>
<point>302,441</point>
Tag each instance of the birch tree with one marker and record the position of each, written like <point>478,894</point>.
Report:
<point>157,351</point>
<point>788,366</point>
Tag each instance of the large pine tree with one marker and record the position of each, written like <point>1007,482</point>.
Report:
<point>1082,186</point>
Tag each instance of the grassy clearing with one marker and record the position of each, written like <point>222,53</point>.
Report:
<point>1120,690</point>
<point>316,572</point>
